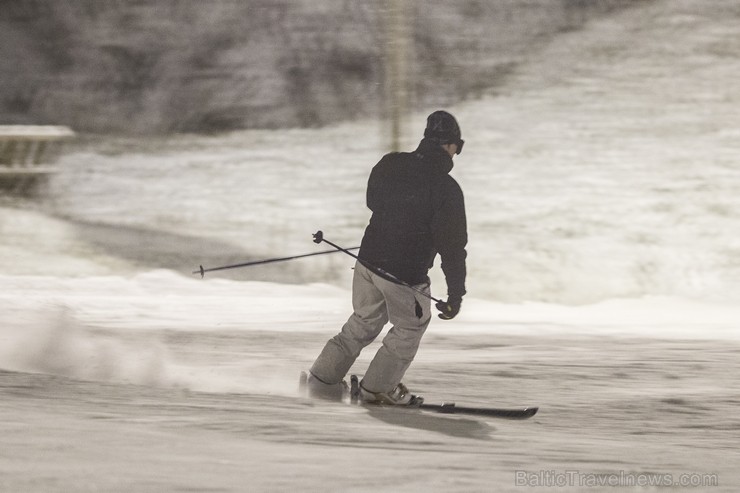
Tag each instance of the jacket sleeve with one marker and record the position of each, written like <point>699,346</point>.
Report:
<point>449,230</point>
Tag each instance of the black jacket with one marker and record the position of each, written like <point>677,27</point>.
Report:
<point>418,211</point>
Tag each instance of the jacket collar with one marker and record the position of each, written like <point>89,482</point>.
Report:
<point>433,152</point>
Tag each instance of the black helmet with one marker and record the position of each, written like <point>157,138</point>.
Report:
<point>443,129</point>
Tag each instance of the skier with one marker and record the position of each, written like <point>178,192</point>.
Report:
<point>417,212</point>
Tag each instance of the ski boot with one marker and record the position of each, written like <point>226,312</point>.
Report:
<point>309,385</point>
<point>400,396</point>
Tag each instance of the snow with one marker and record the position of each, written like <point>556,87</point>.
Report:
<point>164,382</point>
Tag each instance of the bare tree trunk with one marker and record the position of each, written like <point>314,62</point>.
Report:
<point>396,73</point>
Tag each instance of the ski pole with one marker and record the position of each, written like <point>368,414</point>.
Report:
<point>318,237</point>
<point>203,271</point>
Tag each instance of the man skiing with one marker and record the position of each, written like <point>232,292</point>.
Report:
<point>417,212</point>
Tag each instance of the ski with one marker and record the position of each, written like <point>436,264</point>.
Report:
<point>451,407</point>
<point>510,413</point>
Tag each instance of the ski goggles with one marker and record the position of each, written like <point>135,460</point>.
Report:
<point>459,144</point>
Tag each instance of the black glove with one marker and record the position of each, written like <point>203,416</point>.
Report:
<point>449,308</point>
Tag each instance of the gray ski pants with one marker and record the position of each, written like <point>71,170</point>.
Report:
<point>375,302</point>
